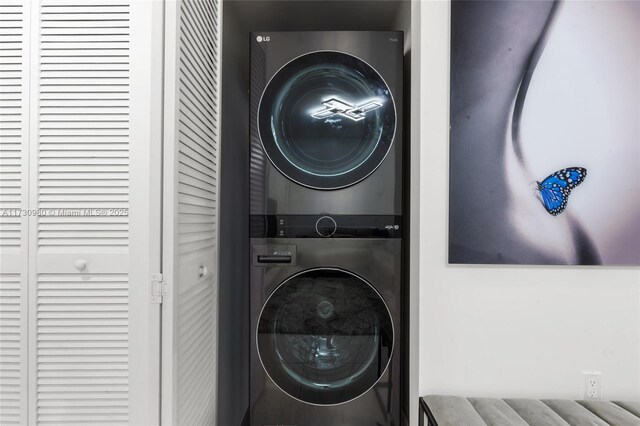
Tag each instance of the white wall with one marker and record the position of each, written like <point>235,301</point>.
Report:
<point>504,331</point>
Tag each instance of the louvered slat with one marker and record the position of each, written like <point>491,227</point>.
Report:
<point>84,123</point>
<point>197,168</point>
<point>11,336</point>
<point>82,353</point>
<point>14,44</point>
<point>11,124</point>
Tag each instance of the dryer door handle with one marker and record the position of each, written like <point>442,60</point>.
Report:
<point>274,259</point>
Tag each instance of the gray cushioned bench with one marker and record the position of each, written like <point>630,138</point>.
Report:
<point>441,410</point>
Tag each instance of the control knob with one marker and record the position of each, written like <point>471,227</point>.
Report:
<point>326,226</point>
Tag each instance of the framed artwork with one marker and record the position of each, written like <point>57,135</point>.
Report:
<point>545,133</point>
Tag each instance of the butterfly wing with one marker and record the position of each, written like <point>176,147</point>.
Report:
<point>573,176</point>
<point>554,197</point>
<point>555,188</point>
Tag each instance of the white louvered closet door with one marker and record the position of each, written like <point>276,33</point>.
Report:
<point>75,126</point>
<point>190,255</point>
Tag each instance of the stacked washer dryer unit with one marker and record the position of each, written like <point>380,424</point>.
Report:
<point>326,228</point>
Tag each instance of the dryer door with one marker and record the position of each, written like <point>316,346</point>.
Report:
<point>325,336</point>
<point>326,120</point>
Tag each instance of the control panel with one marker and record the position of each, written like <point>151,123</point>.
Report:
<point>325,226</point>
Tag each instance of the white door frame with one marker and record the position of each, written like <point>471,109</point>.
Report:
<point>145,208</point>
<point>169,206</point>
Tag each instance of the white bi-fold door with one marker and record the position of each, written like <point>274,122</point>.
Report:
<point>80,151</point>
<point>190,221</point>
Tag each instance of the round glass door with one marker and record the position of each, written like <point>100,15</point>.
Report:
<point>326,120</point>
<point>325,336</point>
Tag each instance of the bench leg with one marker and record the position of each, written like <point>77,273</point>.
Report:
<point>424,411</point>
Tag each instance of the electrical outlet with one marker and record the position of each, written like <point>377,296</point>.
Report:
<point>592,384</point>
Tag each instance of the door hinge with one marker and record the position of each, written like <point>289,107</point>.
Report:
<point>158,288</point>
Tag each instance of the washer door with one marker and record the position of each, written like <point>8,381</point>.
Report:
<point>325,336</point>
<point>326,120</point>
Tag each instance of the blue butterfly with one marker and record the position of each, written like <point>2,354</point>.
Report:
<point>555,189</point>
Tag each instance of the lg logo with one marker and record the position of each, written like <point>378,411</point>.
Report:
<point>260,39</point>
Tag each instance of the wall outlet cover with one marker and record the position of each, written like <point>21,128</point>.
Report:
<point>592,388</point>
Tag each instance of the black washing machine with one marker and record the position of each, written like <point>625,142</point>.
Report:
<point>326,123</point>
<point>326,228</point>
<point>325,331</point>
